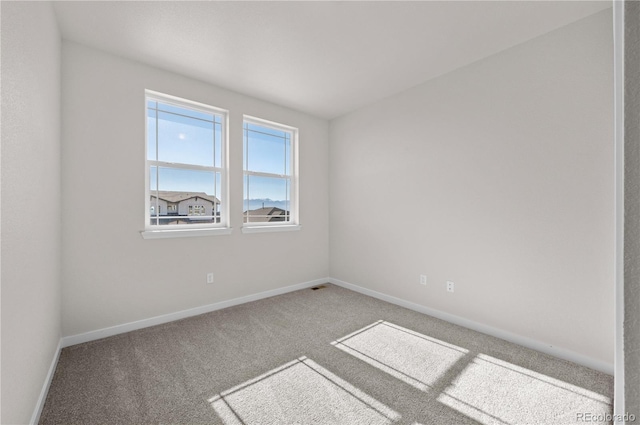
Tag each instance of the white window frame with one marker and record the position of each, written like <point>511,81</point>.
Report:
<point>294,210</point>
<point>197,229</point>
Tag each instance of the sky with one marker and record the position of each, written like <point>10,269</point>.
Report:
<point>191,137</point>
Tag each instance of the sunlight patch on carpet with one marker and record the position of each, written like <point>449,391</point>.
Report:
<point>300,391</point>
<point>412,357</point>
<point>493,391</point>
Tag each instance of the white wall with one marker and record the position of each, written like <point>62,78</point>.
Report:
<point>497,176</point>
<point>30,204</point>
<point>111,275</point>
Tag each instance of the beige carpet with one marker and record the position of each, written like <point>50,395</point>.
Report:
<point>330,356</point>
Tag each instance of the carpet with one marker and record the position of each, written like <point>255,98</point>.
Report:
<point>329,356</point>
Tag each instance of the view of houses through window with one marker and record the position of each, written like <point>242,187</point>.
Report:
<point>185,162</point>
<point>186,166</point>
<point>269,180</point>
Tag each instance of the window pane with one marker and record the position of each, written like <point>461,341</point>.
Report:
<point>187,196</point>
<point>184,140</point>
<point>151,134</point>
<point>271,131</point>
<point>218,185</point>
<point>245,199</point>
<point>264,152</point>
<point>266,199</point>
<point>184,111</point>
<point>153,202</point>
<point>191,181</point>
<point>218,145</point>
<point>287,145</point>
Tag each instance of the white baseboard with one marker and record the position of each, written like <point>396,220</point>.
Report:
<point>35,418</point>
<point>165,318</point>
<point>559,352</point>
<point>451,318</point>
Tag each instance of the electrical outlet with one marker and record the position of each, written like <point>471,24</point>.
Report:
<point>423,279</point>
<point>450,286</point>
<point>209,277</point>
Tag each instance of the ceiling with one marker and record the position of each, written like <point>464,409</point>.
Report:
<point>323,58</point>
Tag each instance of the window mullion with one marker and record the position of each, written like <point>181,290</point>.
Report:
<point>267,134</point>
<point>263,174</point>
<point>184,166</point>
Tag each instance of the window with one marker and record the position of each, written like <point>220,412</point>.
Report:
<point>186,165</point>
<point>196,210</point>
<point>270,174</point>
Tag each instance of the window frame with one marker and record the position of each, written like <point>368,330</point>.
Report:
<point>294,186</point>
<point>154,231</point>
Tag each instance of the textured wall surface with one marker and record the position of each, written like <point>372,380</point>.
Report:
<point>499,177</point>
<point>111,275</point>
<point>632,208</point>
<point>30,203</point>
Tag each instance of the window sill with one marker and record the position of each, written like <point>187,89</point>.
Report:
<point>265,229</point>
<point>185,233</point>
